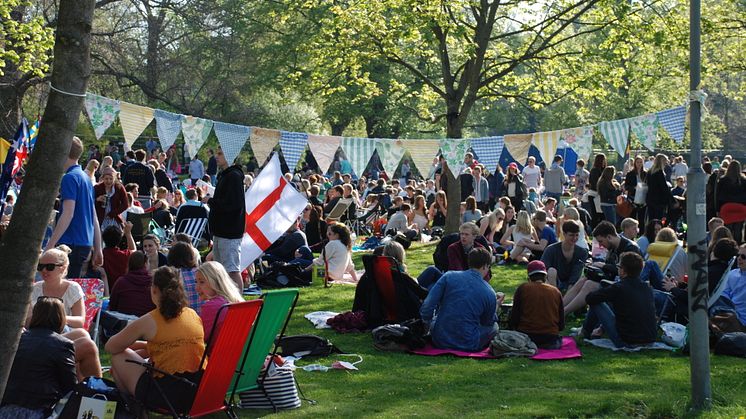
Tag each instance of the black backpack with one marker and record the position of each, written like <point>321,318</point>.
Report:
<point>733,344</point>
<point>282,275</point>
<point>306,345</point>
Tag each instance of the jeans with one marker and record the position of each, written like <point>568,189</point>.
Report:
<point>602,314</point>
<point>429,277</point>
<point>77,258</point>
<point>609,213</point>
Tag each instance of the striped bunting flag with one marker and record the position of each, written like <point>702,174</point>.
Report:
<point>168,127</point>
<point>518,146</point>
<point>645,129</point>
<point>488,151</point>
<point>453,151</point>
<point>292,145</point>
<point>323,148</point>
<point>134,119</point>
<point>674,120</point>
<point>390,152</point>
<point>580,141</point>
<point>102,112</point>
<point>263,141</point>
<point>232,138</point>
<point>195,130</point>
<point>616,133</point>
<point>422,152</point>
<point>358,151</point>
<point>547,143</point>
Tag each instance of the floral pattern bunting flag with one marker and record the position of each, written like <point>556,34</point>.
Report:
<point>323,148</point>
<point>102,112</point>
<point>645,129</point>
<point>195,130</point>
<point>580,141</point>
<point>263,141</point>
<point>453,151</point>
<point>390,152</point>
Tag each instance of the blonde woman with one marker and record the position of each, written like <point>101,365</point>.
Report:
<point>519,236</point>
<point>91,170</point>
<point>215,288</point>
<point>420,212</point>
<point>572,213</point>
<point>492,223</point>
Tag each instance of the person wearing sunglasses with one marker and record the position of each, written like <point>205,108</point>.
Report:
<point>52,267</point>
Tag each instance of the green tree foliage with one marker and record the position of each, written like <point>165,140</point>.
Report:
<point>26,42</point>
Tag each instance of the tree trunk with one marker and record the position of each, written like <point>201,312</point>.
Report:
<point>19,249</point>
<point>454,129</point>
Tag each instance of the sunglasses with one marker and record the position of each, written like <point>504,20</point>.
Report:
<point>742,256</point>
<point>500,219</point>
<point>48,266</point>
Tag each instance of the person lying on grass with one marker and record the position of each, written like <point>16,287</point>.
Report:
<point>460,308</point>
<point>625,310</point>
<point>537,309</point>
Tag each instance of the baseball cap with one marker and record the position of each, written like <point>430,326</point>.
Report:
<point>536,267</point>
<point>513,165</point>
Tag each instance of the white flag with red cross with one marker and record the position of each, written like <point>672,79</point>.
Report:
<point>272,206</point>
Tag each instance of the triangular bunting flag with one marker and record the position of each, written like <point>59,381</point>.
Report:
<point>263,141</point>
<point>616,133</point>
<point>547,143</point>
<point>292,145</point>
<point>134,119</point>
<point>196,130</point>
<point>518,146</point>
<point>390,152</point>
<point>168,127</point>
<point>673,121</point>
<point>580,141</point>
<point>645,129</point>
<point>488,151</point>
<point>453,151</point>
<point>358,151</point>
<point>323,148</point>
<point>422,152</point>
<point>102,111</point>
<point>231,138</point>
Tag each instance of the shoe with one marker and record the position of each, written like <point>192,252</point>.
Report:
<point>523,263</point>
<point>607,282</point>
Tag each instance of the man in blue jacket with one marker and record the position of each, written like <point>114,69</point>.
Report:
<point>460,307</point>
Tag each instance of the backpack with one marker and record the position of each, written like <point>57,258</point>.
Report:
<point>283,275</point>
<point>306,345</point>
<point>511,343</point>
<point>732,344</point>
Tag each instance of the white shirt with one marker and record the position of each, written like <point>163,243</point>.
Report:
<point>532,176</point>
<point>338,259</point>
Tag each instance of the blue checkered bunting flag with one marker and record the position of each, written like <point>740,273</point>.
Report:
<point>292,145</point>
<point>673,121</point>
<point>231,138</point>
<point>488,151</point>
<point>168,127</point>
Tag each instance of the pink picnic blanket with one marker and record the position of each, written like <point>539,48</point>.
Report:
<point>569,350</point>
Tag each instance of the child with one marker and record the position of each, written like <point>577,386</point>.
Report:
<point>215,288</point>
<point>537,309</point>
<point>522,232</point>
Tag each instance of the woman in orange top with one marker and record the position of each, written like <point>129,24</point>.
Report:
<point>174,342</point>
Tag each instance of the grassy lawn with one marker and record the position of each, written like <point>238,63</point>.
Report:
<point>601,384</point>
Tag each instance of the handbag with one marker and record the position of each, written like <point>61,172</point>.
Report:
<point>277,390</point>
<point>624,207</point>
<point>93,397</point>
<point>306,345</point>
<point>641,193</point>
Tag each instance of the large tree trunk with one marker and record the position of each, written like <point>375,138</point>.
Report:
<point>454,129</point>
<point>19,249</point>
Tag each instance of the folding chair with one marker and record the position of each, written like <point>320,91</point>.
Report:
<point>192,227</point>
<point>663,254</point>
<point>721,284</point>
<point>140,224</point>
<point>93,289</point>
<point>268,329</point>
<point>339,210</point>
<point>225,349</point>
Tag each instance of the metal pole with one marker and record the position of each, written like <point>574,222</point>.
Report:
<point>696,232</point>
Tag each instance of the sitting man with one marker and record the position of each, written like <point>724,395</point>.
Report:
<point>399,222</point>
<point>457,252</point>
<point>131,292</point>
<point>629,319</point>
<point>537,309</point>
<point>732,301</point>
<point>283,250</point>
<point>333,196</point>
<point>630,228</point>
<point>546,234</point>
<point>566,258</point>
<point>606,235</point>
<point>465,305</point>
<point>115,259</point>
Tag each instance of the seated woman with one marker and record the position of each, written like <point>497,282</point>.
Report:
<point>315,228</point>
<point>44,365</point>
<point>677,267</point>
<point>518,236</point>
<point>395,250</point>
<point>52,266</point>
<point>115,259</point>
<point>648,236</point>
<point>171,336</point>
<point>131,292</point>
<point>215,288</point>
<point>181,256</point>
<point>151,245</point>
<point>337,254</point>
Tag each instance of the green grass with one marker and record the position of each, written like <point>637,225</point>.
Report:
<point>601,384</point>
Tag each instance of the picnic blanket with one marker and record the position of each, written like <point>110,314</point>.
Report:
<point>608,344</point>
<point>569,350</point>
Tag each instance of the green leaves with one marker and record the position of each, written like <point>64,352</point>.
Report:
<point>25,41</point>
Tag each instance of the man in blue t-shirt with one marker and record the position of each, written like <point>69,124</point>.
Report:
<point>460,307</point>
<point>546,234</point>
<point>77,225</point>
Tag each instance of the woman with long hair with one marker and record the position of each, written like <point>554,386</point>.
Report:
<point>572,213</point>
<point>471,213</point>
<point>514,187</point>
<point>608,191</point>
<point>111,199</point>
<point>648,236</point>
<point>635,179</point>
<point>337,254</point>
<point>731,187</point>
<point>591,200</point>
<point>659,197</point>
<point>315,228</point>
<point>215,288</point>
<point>439,210</point>
<point>420,212</point>
<point>519,236</point>
<point>174,343</point>
<point>718,234</point>
<point>91,169</point>
<point>490,226</point>
<point>182,257</point>
<point>52,267</point>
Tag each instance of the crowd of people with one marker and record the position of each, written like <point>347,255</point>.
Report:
<point>578,236</point>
